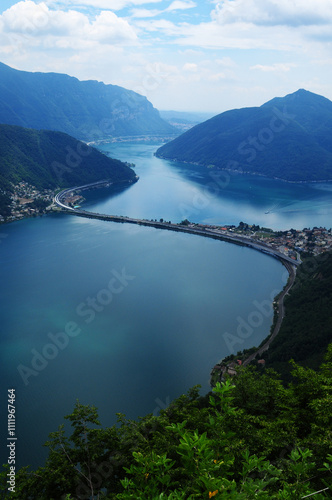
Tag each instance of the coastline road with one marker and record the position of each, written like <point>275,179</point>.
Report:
<point>281,313</point>
<point>205,231</point>
<point>59,199</point>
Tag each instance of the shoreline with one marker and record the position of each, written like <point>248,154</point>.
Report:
<point>229,366</point>
<point>61,197</point>
<point>241,172</point>
<point>199,230</point>
<point>289,263</point>
<point>134,138</point>
<point>56,209</point>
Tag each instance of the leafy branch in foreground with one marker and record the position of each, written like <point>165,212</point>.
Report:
<point>250,438</point>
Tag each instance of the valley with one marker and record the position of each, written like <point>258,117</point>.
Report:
<point>165,250</point>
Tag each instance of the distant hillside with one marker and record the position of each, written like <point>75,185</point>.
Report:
<point>49,159</point>
<point>184,120</point>
<point>288,138</point>
<point>306,330</point>
<point>88,110</point>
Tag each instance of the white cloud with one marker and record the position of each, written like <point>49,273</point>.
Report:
<point>217,77</point>
<point>179,5</point>
<point>109,28</point>
<point>226,62</point>
<point>276,67</point>
<point>100,4</point>
<point>30,18</point>
<point>213,36</point>
<point>274,12</point>
<point>192,67</point>
<point>174,7</point>
<point>192,52</point>
<point>37,20</point>
<point>252,24</point>
<point>161,26</point>
<point>144,13</point>
<point>321,34</point>
<point>206,56</point>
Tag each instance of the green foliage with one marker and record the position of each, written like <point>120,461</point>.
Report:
<point>39,204</point>
<point>288,138</point>
<point>48,160</point>
<point>250,438</point>
<point>306,329</point>
<point>4,205</point>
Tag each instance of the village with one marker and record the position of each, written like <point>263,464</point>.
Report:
<point>28,201</point>
<point>292,242</point>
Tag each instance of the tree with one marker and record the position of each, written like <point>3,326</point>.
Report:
<point>252,437</point>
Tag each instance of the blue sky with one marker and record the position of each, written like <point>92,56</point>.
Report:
<point>181,54</point>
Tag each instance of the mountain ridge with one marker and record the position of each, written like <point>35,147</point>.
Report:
<point>287,138</point>
<point>87,110</point>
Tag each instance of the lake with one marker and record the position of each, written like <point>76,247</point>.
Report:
<point>127,317</point>
<point>175,191</point>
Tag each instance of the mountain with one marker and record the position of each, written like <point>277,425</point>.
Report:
<point>306,329</point>
<point>87,110</point>
<point>184,120</point>
<point>287,138</point>
<point>48,159</point>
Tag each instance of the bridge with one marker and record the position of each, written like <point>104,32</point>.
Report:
<point>59,199</point>
<point>205,231</point>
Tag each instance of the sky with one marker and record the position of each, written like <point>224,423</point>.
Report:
<point>184,55</point>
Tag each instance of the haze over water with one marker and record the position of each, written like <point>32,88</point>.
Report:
<point>177,295</point>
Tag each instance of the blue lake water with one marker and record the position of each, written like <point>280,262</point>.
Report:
<point>126,317</point>
<point>175,191</point>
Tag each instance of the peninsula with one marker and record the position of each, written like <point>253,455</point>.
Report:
<point>283,245</point>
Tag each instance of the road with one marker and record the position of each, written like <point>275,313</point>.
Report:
<point>289,263</point>
<point>281,313</point>
<point>200,231</point>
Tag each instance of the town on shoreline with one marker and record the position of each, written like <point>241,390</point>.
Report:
<point>28,201</point>
<point>290,246</point>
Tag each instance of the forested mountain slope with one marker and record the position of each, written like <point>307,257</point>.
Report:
<point>288,138</point>
<point>47,160</point>
<point>87,110</point>
<point>306,329</point>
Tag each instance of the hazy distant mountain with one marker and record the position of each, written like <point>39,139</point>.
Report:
<point>48,159</point>
<point>289,138</point>
<point>184,120</point>
<point>86,110</point>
